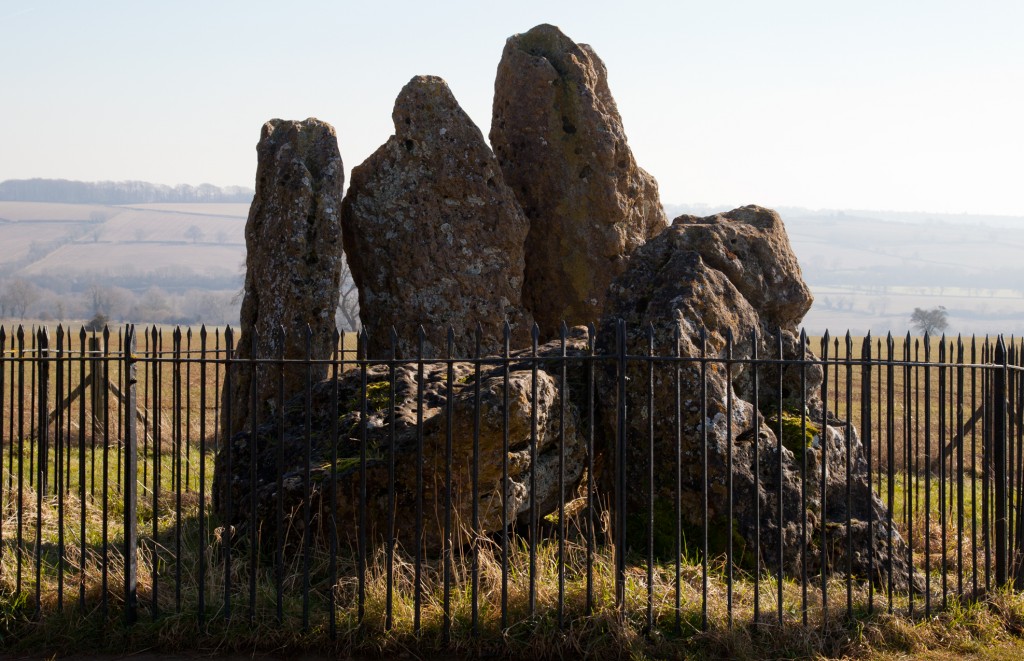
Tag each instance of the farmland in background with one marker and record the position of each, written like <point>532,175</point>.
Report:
<point>184,263</point>
<point>868,270</point>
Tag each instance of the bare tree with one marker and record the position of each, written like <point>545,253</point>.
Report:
<point>194,233</point>
<point>347,316</point>
<point>930,321</point>
<point>18,295</point>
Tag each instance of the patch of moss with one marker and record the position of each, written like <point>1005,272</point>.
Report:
<point>795,436</point>
<point>378,398</point>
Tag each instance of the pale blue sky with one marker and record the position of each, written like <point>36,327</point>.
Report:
<point>884,105</point>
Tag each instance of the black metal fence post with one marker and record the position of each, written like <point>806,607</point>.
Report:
<point>131,458</point>
<point>999,458</point>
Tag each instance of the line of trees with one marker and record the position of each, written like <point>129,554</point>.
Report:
<point>116,192</point>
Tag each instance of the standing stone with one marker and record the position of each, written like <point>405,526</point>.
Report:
<point>293,260</point>
<point>432,233</point>
<point>558,136</point>
<point>689,288</point>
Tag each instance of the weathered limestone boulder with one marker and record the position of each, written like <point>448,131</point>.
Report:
<point>293,261</point>
<point>393,434</point>
<point>432,233</point>
<point>692,284</point>
<point>559,139</point>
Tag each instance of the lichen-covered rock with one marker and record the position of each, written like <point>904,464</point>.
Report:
<point>750,246</point>
<point>695,284</point>
<point>293,261</point>
<point>432,233</point>
<point>558,136</point>
<point>393,435</point>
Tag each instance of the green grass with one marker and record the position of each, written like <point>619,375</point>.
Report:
<point>993,619</point>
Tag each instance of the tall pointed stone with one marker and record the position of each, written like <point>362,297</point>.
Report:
<point>433,235</point>
<point>559,139</point>
<point>293,261</point>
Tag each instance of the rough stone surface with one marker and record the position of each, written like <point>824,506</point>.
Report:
<point>694,283</point>
<point>341,412</point>
<point>558,136</point>
<point>293,260</point>
<point>432,233</point>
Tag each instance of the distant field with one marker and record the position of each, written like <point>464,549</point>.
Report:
<point>19,211</point>
<point>121,258</point>
<point>70,239</point>
<point>231,209</point>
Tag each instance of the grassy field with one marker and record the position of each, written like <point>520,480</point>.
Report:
<point>196,594</point>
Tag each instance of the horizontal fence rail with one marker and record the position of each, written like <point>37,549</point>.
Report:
<point>374,492</point>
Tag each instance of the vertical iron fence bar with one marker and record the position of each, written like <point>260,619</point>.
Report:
<point>280,529</point>
<point>81,464</point>
<point>534,516</point>
<point>986,475</point>
<point>254,411</point>
<point>890,445</point>
<point>803,476</point>
<point>418,570</point>
<point>824,460</point>
<point>974,468</point>
<point>42,404</point>
<point>908,473</point>
<point>1017,420</point>
<point>563,397</point>
<point>824,463</point>
<point>591,498</point>
<point>865,425</point>
<point>943,477</point>
<point>779,476</point>
<point>177,421</point>
<point>650,479</point>
<point>307,477</point>
<point>58,463</point>
<point>757,478</point>
<point>879,428</point>
<point>364,418</point>
<point>677,500</point>
<point>332,509</point>
<point>927,474</point>
<point>506,363</point>
<point>156,347</point>
<point>188,410</point>
<point>475,479</point>
<point>14,387</point>
<point>620,473</point>
<point>848,433</point>
<point>392,441</point>
<point>960,467</point>
<point>226,530</point>
<point>103,399</point>
<point>704,476</point>
<point>446,542</point>
<point>21,456</point>
<point>145,400</point>
<point>33,405</point>
<point>130,478</point>
<point>999,458</point>
<point>728,474</point>
<point>1009,467</point>
<point>202,474</point>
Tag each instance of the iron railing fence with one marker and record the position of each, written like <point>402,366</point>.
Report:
<point>107,482</point>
